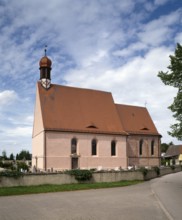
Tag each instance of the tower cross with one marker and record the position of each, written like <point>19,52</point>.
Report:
<point>45,50</point>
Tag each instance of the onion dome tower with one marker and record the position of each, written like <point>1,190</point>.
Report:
<point>45,71</point>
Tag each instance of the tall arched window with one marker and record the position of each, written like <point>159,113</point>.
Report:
<point>152,147</point>
<point>73,146</point>
<point>94,147</point>
<point>140,147</point>
<point>113,148</point>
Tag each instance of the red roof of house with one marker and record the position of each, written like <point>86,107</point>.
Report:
<point>84,110</point>
<point>173,150</point>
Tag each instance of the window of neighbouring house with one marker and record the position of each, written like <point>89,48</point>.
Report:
<point>152,147</point>
<point>140,147</point>
<point>94,147</point>
<point>73,146</point>
<point>113,148</point>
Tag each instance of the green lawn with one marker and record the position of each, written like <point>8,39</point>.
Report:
<point>22,190</point>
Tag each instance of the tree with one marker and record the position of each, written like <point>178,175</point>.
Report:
<point>4,155</point>
<point>17,156</point>
<point>11,157</point>
<point>23,155</point>
<point>164,147</point>
<point>173,77</point>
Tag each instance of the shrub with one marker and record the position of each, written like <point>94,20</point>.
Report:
<point>172,167</point>
<point>6,165</point>
<point>12,173</point>
<point>165,162</point>
<point>144,171</point>
<point>80,175</point>
<point>157,170</point>
<point>22,166</point>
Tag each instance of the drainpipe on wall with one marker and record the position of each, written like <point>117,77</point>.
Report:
<point>45,167</point>
<point>36,161</point>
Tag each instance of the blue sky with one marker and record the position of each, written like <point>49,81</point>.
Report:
<point>113,45</point>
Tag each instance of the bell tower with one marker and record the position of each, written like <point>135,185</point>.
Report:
<point>45,71</point>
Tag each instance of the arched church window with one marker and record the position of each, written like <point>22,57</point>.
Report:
<point>152,147</point>
<point>141,147</point>
<point>73,146</point>
<point>113,148</point>
<point>94,147</point>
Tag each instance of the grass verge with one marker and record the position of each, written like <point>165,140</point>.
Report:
<point>22,190</point>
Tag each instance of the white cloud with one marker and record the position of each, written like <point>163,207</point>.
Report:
<point>94,58</point>
<point>19,131</point>
<point>130,51</point>
<point>178,38</point>
<point>7,97</point>
<point>138,68</point>
<point>159,30</point>
<point>160,2</point>
<point>29,119</point>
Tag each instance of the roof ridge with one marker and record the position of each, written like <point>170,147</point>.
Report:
<point>127,105</point>
<point>78,88</point>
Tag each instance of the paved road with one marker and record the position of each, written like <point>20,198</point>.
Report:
<point>168,191</point>
<point>139,202</point>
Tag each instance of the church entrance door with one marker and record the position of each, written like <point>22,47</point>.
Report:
<point>74,163</point>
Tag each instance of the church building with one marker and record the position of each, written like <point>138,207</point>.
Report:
<point>84,128</point>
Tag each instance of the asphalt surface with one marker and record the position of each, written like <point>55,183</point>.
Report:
<point>168,191</point>
<point>160,198</point>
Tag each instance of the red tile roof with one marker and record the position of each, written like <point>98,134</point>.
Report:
<point>136,120</point>
<point>84,110</point>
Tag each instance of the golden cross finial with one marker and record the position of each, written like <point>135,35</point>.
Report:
<point>45,50</point>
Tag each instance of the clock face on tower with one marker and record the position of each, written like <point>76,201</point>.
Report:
<point>46,83</point>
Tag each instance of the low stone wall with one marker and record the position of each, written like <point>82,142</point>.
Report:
<point>116,176</point>
<point>60,178</point>
<point>167,170</point>
<point>37,179</point>
<point>163,171</point>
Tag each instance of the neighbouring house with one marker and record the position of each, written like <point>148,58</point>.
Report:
<point>83,128</point>
<point>173,155</point>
